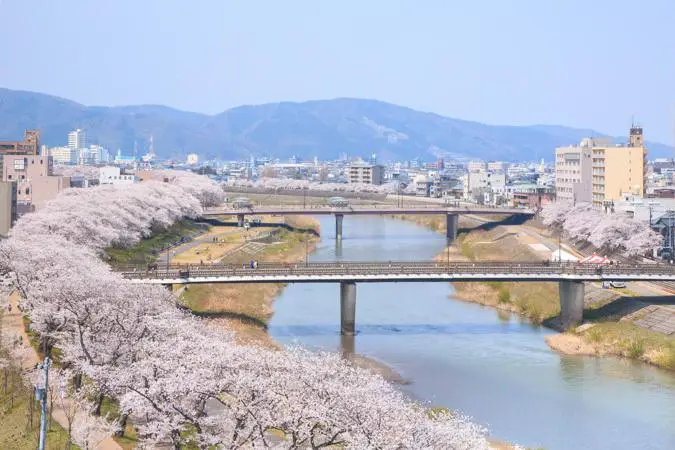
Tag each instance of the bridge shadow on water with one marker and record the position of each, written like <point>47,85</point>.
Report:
<point>400,329</point>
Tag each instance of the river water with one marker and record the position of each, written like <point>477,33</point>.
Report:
<point>489,365</point>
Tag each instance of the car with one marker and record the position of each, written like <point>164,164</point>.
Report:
<point>617,284</point>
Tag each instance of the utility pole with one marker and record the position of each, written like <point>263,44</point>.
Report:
<point>306,250</point>
<point>41,394</point>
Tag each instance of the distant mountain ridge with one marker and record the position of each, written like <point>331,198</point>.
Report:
<point>321,128</point>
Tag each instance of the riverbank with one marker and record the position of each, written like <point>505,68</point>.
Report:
<point>609,315</point>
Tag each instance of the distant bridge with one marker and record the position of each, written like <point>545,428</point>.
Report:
<point>451,213</point>
<point>570,276</point>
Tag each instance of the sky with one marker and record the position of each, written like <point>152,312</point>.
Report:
<point>582,63</point>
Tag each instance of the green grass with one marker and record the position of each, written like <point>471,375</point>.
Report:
<point>630,341</point>
<point>129,440</point>
<point>20,416</point>
<point>146,250</point>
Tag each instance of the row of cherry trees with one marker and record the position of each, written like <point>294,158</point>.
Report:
<point>285,184</point>
<point>176,377</point>
<point>615,232</point>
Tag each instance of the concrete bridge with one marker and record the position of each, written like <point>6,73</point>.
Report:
<point>570,276</point>
<point>451,213</point>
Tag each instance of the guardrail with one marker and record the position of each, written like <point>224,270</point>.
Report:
<point>379,268</point>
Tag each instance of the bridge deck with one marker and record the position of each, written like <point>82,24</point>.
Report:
<point>363,210</point>
<point>317,272</point>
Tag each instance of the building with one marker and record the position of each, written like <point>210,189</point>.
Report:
<point>29,146</point>
<point>365,173</point>
<point>476,183</point>
<point>476,166</point>
<point>496,166</point>
<point>77,139</point>
<point>113,175</point>
<point>533,199</point>
<point>63,155</point>
<point>34,177</point>
<point>8,197</point>
<point>619,169</point>
<point>423,186</point>
<point>600,172</point>
<point>573,172</point>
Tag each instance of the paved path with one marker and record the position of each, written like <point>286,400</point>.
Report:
<point>12,322</point>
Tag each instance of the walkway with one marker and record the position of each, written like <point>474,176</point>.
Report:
<point>12,322</point>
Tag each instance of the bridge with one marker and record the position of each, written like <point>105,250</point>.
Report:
<point>451,213</point>
<point>570,276</point>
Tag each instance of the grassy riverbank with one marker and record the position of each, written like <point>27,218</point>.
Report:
<point>247,308</point>
<point>479,241</point>
<point>607,331</point>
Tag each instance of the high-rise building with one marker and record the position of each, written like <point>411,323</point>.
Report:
<point>600,172</point>
<point>77,139</point>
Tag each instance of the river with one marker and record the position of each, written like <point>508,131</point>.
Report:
<point>491,366</point>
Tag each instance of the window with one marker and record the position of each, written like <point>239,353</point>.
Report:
<point>27,191</point>
<point>20,164</point>
<point>9,177</point>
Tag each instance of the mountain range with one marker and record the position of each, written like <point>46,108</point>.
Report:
<point>322,128</point>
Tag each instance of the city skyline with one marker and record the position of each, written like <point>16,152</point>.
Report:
<point>466,61</point>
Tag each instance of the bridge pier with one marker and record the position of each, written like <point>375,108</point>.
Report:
<point>347,308</point>
<point>338,226</point>
<point>240,220</point>
<point>451,226</point>
<point>571,302</point>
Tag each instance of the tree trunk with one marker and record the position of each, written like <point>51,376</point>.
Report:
<point>99,403</point>
<point>123,425</point>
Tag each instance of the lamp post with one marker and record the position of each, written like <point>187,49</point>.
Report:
<point>42,396</point>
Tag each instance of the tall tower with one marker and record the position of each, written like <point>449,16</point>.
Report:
<point>636,139</point>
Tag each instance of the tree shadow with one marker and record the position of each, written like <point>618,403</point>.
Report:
<point>285,226</point>
<point>244,318</point>
<point>515,219</point>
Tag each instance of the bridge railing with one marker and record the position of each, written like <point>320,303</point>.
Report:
<point>394,267</point>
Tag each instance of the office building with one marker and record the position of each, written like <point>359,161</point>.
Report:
<point>366,173</point>
<point>77,139</point>
<point>573,171</point>
<point>29,146</point>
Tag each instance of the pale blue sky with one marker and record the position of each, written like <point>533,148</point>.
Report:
<point>584,63</point>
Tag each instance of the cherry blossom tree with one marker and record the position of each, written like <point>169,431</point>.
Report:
<point>612,233</point>
<point>182,381</point>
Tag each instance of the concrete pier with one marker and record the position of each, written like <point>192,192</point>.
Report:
<point>347,308</point>
<point>571,302</point>
<point>338,226</point>
<point>240,220</point>
<point>451,226</point>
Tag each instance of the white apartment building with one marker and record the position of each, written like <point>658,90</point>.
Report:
<point>63,155</point>
<point>113,175</point>
<point>574,171</point>
<point>77,139</point>
<point>475,182</point>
